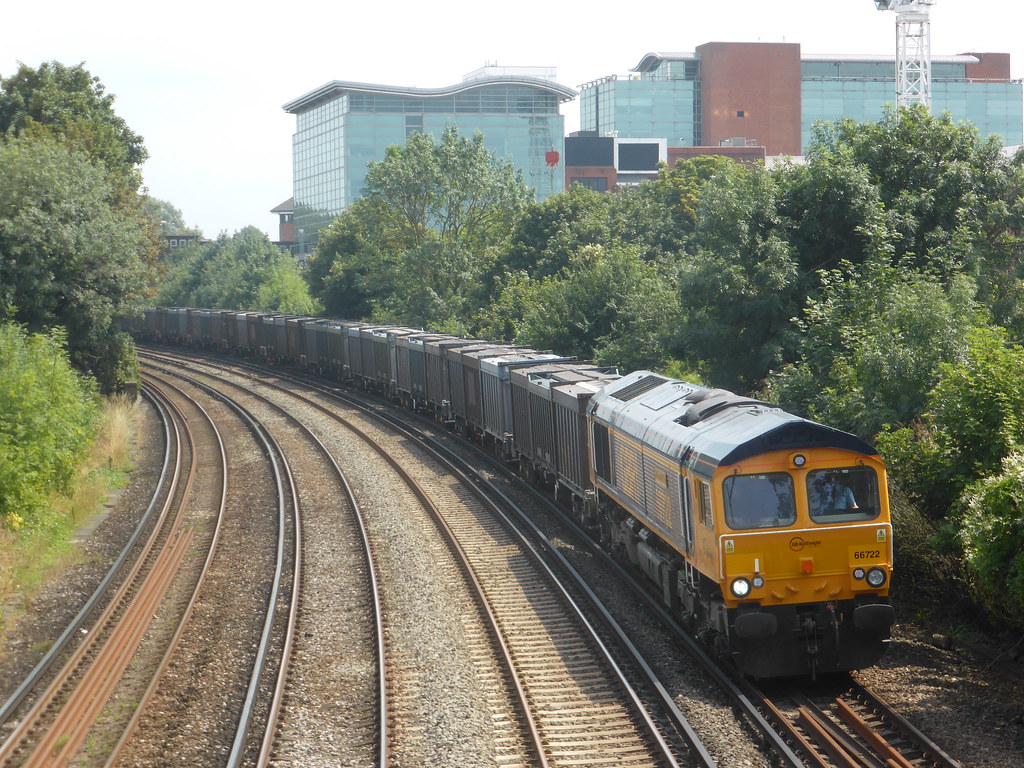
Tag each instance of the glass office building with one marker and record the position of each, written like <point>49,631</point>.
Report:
<point>771,95</point>
<point>860,87</point>
<point>342,127</point>
<point>664,103</point>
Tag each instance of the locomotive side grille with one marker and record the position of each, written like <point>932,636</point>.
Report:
<point>602,452</point>
<point>628,464</point>
<point>659,497</point>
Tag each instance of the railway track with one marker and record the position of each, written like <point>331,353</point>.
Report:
<point>494,624</point>
<point>214,677</point>
<point>844,724</point>
<point>583,709</point>
<point>53,728</point>
<point>853,729</point>
<point>342,696</point>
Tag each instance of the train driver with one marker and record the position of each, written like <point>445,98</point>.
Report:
<point>833,496</point>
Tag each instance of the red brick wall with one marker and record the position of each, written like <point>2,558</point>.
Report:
<point>739,154</point>
<point>752,90</point>
<point>590,172</point>
<point>993,66</point>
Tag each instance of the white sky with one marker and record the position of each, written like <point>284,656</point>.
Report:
<point>204,84</point>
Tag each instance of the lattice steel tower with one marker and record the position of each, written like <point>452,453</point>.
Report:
<point>913,50</point>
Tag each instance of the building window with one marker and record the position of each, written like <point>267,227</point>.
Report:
<point>598,183</point>
<point>740,113</point>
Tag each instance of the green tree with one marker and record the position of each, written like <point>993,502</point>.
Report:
<point>244,271</point>
<point>835,212</point>
<point>68,255</point>
<point>169,218</point>
<point>873,346</point>
<point>348,272</point>
<point>70,103</point>
<point>933,175</point>
<point>548,232</point>
<point>971,422</point>
<point>741,284</point>
<point>607,304</point>
<point>678,192</point>
<point>434,218</point>
<point>990,524</point>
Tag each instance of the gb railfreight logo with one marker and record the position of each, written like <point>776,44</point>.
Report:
<point>799,544</point>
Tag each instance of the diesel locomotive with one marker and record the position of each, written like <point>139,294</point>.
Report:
<point>767,534</point>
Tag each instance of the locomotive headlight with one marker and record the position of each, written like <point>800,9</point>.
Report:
<point>740,587</point>
<point>758,582</point>
<point>858,574</point>
<point>876,577</point>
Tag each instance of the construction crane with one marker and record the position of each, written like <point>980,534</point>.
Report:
<point>913,50</point>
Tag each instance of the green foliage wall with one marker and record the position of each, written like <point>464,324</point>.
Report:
<point>68,256</point>
<point>48,416</point>
<point>990,522</point>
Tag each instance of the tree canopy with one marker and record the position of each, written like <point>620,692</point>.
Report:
<point>868,287</point>
<point>244,271</point>
<point>77,248</point>
<point>68,256</point>
<point>72,104</point>
<point>430,226</point>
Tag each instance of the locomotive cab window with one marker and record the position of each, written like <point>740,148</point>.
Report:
<point>759,501</point>
<point>843,495</point>
<point>707,516</point>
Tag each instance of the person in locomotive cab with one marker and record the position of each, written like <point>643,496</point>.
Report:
<point>833,496</point>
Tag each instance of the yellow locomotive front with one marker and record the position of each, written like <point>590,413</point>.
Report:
<point>804,558</point>
<point>768,533</point>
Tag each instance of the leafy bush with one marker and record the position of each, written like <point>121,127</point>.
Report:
<point>48,415</point>
<point>991,514</point>
<point>972,422</point>
<point>873,345</point>
<point>245,271</point>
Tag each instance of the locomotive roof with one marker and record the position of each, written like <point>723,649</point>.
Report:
<point>704,428</point>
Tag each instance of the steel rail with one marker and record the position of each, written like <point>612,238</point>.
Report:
<point>743,701</point>
<point>537,741</point>
<point>653,729</point>
<point>186,615</point>
<point>454,463</point>
<point>378,622</point>
<point>932,751</point>
<point>478,588</point>
<point>138,578</point>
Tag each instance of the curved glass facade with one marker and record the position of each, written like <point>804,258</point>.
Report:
<point>347,127</point>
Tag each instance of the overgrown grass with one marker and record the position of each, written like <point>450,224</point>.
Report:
<point>32,555</point>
